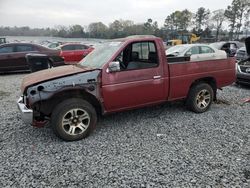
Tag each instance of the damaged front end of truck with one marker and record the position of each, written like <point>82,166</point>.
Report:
<point>40,97</point>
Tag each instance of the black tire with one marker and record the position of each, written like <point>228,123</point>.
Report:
<point>73,119</point>
<point>200,97</point>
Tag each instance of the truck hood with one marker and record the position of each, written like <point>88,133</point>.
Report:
<point>50,74</point>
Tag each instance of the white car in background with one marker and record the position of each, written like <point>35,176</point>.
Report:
<point>197,52</point>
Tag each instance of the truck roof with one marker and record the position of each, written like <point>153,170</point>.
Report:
<point>136,37</point>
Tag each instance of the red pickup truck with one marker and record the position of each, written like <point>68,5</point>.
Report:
<point>119,75</point>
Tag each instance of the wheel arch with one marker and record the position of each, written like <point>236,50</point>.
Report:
<point>208,80</point>
<point>47,106</point>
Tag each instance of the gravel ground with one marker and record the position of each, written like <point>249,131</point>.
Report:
<point>161,146</point>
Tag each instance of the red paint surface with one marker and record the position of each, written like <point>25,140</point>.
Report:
<point>74,56</point>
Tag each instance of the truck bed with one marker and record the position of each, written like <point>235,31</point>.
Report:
<point>183,73</point>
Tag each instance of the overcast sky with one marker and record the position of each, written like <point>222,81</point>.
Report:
<point>48,13</point>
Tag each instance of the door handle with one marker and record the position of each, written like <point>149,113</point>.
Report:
<point>157,77</point>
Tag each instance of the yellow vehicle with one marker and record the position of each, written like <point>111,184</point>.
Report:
<point>183,39</point>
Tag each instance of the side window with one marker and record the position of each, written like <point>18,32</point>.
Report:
<point>144,50</point>
<point>136,49</point>
<point>139,55</point>
<point>225,46</point>
<point>6,49</point>
<point>68,47</point>
<point>206,50</point>
<point>79,47</point>
<point>85,47</point>
<point>24,48</point>
<point>233,46</point>
<point>194,50</point>
<point>152,47</point>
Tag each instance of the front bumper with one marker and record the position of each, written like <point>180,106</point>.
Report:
<point>26,114</point>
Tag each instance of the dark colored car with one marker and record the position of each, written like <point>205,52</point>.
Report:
<point>230,47</point>
<point>241,54</point>
<point>13,56</point>
<point>243,67</point>
<point>74,52</point>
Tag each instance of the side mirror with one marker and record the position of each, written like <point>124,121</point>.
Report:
<point>114,67</point>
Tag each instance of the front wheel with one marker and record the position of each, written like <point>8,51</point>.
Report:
<point>200,98</point>
<point>73,119</point>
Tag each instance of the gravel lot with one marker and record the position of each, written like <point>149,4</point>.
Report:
<point>161,146</point>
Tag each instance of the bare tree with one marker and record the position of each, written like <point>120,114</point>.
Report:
<point>235,13</point>
<point>247,22</point>
<point>218,18</point>
<point>201,17</point>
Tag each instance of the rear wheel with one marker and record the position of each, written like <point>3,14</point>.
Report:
<point>200,97</point>
<point>73,119</point>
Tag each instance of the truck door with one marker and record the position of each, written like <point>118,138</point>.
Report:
<point>139,82</point>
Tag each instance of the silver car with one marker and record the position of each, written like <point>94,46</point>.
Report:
<point>197,52</point>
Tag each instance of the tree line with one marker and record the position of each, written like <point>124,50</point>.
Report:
<point>205,23</point>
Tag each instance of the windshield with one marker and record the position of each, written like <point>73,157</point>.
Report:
<point>179,48</point>
<point>101,55</point>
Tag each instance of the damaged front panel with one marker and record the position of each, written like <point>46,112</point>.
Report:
<point>87,81</point>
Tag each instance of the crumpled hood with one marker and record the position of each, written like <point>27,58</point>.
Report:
<point>49,74</point>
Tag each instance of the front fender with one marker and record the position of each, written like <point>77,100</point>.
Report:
<point>88,82</point>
